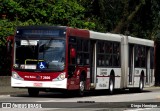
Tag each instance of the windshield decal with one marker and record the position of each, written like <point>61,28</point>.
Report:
<point>42,65</point>
<point>29,42</point>
<point>30,66</point>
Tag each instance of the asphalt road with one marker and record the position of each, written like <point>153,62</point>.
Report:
<point>148,100</point>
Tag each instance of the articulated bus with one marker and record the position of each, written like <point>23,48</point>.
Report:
<point>61,58</point>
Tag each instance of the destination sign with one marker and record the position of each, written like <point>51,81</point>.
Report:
<point>40,32</point>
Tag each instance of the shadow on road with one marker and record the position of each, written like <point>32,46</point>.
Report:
<point>73,94</point>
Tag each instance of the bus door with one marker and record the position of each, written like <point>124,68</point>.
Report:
<point>131,64</point>
<point>71,56</point>
<point>93,63</point>
<point>147,65</point>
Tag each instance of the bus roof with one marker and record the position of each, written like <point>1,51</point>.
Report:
<point>140,41</point>
<point>94,35</point>
<point>105,36</point>
<point>118,37</point>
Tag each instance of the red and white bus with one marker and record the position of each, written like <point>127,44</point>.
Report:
<point>60,58</point>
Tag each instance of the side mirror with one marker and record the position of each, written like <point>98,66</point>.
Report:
<point>73,53</point>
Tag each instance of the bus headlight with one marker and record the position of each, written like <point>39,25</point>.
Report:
<point>16,76</point>
<point>62,76</point>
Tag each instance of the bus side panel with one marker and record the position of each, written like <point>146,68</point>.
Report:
<point>137,74</point>
<point>103,76</point>
<point>152,78</point>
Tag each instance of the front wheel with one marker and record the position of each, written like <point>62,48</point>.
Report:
<point>81,87</point>
<point>33,92</point>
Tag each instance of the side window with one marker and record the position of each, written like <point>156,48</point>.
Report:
<point>85,46</point>
<point>108,60</point>
<point>140,58</point>
<point>108,53</point>
<point>83,52</point>
<point>79,58</point>
<point>143,56</point>
<point>72,46</point>
<point>79,45</point>
<point>151,57</point>
<point>116,54</point>
<point>108,47</point>
<point>86,58</point>
<point>101,53</point>
<point>115,48</point>
<point>101,47</point>
<point>136,56</point>
<point>101,60</point>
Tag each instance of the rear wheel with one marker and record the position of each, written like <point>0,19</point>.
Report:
<point>140,88</point>
<point>141,85</point>
<point>33,92</point>
<point>111,85</point>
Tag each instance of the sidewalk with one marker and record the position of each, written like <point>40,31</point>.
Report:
<point>5,87</point>
<point>7,90</point>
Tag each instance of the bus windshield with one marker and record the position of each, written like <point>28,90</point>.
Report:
<point>41,55</point>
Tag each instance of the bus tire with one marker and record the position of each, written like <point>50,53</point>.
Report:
<point>141,85</point>
<point>81,86</point>
<point>33,92</point>
<point>140,88</point>
<point>111,85</point>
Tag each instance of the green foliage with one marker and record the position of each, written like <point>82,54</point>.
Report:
<point>37,12</point>
<point>6,28</point>
<point>140,18</point>
<point>155,9</point>
<point>63,12</point>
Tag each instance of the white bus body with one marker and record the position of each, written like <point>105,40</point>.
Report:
<point>124,78</point>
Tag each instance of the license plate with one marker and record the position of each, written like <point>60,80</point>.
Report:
<point>37,84</point>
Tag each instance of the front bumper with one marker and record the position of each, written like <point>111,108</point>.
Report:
<point>62,84</point>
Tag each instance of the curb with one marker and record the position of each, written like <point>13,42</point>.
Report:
<point>153,87</point>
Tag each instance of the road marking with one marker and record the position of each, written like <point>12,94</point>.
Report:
<point>2,96</point>
<point>48,101</point>
<point>140,109</point>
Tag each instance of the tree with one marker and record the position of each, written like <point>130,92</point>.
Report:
<point>37,12</point>
<point>155,8</point>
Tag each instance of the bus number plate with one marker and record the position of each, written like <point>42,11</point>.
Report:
<point>37,84</point>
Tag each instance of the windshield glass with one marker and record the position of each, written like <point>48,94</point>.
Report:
<point>40,54</point>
